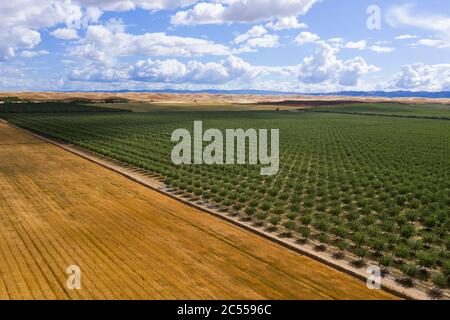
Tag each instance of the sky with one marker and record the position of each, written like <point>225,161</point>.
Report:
<point>284,45</point>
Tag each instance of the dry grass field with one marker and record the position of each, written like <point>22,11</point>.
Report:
<point>201,99</point>
<point>57,209</point>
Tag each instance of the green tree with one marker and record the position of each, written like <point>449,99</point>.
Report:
<point>407,230</point>
<point>359,238</point>
<point>275,220</point>
<point>402,251</point>
<point>378,245</point>
<point>362,253</point>
<point>409,270</point>
<point>427,259</point>
<point>305,232</point>
<point>439,281</point>
<point>386,262</point>
<point>290,226</point>
<point>306,219</point>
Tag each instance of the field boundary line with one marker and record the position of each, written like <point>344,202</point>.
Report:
<point>388,284</point>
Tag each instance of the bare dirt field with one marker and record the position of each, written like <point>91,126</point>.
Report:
<point>57,209</point>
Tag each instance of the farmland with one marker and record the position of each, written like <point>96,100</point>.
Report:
<point>57,209</point>
<point>377,187</point>
<point>391,109</point>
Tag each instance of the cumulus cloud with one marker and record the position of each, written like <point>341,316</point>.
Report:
<point>324,67</point>
<point>126,5</point>
<point>360,45</point>
<point>17,38</point>
<point>266,41</point>
<point>419,76</point>
<point>172,71</point>
<point>381,49</point>
<point>339,43</point>
<point>405,37</point>
<point>96,72</point>
<point>103,42</point>
<point>306,37</point>
<point>65,34</point>
<point>256,31</point>
<point>22,20</point>
<point>256,37</point>
<point>33,54</point>
<point>433,43</point>
<point>247,11</point>
<point>286,23</point>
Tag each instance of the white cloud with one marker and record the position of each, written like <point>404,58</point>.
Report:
<point>336,41</point>
<point>65,34</point>
<point>434,43</point>
<point>247,11</point>
<point>33,54</point>
<point>286,23</point>
<point>22,20</point>
<point>172,71</point>
<point>103,42</point>
<point>256,37</point>
<point>325,68</point>
<point>423,77</point>
<point>126,5</point>
<point>266,41</point>
<point>360,45</point>
<point>98,72</point>
<point>256,31</point>
<point>17,38</point>
<point>404,16</point>
<point>381,49</point>
<point>159,71</point>
<point>306,37</point>
<point>405,37</point>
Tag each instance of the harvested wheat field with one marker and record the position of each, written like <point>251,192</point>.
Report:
<point>57,209</point>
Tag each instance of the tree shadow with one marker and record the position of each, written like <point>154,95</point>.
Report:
<point>358,263</point>
<point>405,282</point>
<point>285,235</point>
<point>338,255</point>
<point>271,229</point>
<point>320,247</point>
<point>258,224</point>
<point>435,293</point>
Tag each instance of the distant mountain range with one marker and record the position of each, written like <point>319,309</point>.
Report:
<point>390,94</point>
<point>386,94</point>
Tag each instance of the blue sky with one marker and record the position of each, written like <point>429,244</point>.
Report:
<point>286,45</point>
